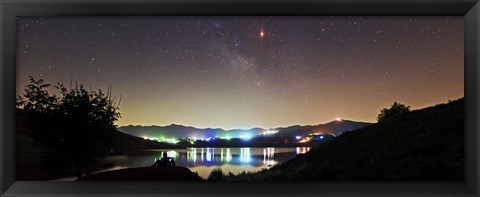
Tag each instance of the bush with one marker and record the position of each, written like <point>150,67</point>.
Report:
<point>74,128</point>
<point>394,110</point>
<point>216,175</point>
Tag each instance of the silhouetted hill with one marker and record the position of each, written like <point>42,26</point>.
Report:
<point>334,127</point>
<point>422,145</point>
<point>170,131</point>
<point>179,131</point>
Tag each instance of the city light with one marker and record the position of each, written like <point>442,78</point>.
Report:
<point>227,137</point>
<point>269,132</point>
<point>162,139</point>
<point>305,140</point>
<point>246,137</point>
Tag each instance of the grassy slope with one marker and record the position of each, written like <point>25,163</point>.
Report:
<point>424,144</point>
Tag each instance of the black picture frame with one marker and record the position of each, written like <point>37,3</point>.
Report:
<point>9,9</point>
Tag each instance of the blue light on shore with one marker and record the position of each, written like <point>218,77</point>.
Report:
<point>246,137</point>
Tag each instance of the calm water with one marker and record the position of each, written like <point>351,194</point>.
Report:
<point>203,160</point>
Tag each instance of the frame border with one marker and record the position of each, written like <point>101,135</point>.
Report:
<point>9,9</point>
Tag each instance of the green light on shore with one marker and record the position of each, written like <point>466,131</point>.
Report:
<point>162,139</point>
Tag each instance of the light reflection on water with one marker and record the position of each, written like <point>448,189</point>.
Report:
<point>302,150</point>
<point>216,155</point>
<point>204,160</point>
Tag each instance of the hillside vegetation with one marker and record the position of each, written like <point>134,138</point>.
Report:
<point>421,145</point>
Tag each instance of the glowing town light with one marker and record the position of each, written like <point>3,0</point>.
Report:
<point>338,119</point>
<point>298,137</point>
<point>305,140</point>
<point>269,132</point>
<point>227,137</point>
<point>262,34</point>
<point>246,137</point>
<point>321,137</point>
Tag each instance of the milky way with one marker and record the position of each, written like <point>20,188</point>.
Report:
<point>243,72</point>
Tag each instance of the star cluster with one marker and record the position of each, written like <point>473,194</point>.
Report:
<point>243,72</point>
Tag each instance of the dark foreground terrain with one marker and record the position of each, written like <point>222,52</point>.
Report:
<point>422,145</point>
<point>175,173</point>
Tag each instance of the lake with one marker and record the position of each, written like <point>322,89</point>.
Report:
<point>204,160</point>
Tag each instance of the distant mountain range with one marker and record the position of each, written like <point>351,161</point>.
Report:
<point>336,128</point>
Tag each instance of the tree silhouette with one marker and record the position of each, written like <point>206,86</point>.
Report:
<point>395,109</point>
<point>74,129</point>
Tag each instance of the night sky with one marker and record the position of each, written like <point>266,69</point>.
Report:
<point>244,72</point>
